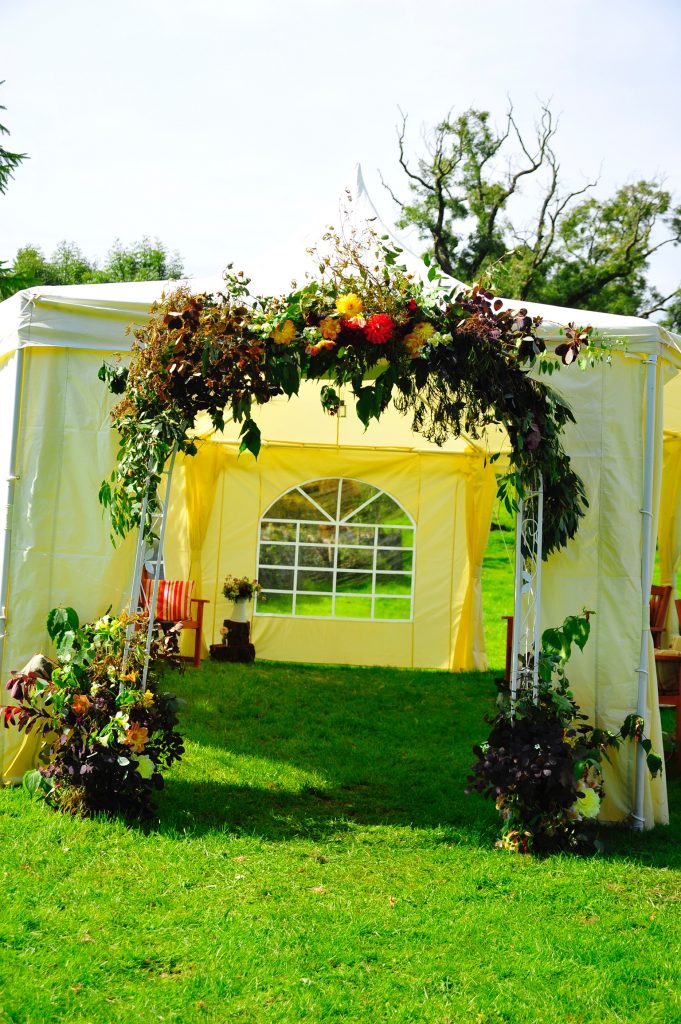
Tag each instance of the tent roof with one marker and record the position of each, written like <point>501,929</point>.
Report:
<point>95,316</point>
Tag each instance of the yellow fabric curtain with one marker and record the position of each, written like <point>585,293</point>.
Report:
<point>18,754</point>
<point>481,489</point>
<point>201,473</point>
<point>669,525</point>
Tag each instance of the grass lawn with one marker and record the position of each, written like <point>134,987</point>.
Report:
<point>315,858</point>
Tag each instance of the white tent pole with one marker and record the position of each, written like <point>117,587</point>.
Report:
<point>638,821</point>
<point>11,486</point>
<point>517,600</point>
<point>537,589</point>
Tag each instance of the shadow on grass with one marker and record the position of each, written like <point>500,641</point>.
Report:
<point>315,751</point>
<point>277,815</point>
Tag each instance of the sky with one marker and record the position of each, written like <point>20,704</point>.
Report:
<point>228,129</point>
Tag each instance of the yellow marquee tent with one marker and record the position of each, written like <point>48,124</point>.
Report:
<point>56,445</point>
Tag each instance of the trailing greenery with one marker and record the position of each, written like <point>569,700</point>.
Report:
<point>312,860</point>
<point>106,739</point>
<point>541,763</point>
<point>454,361</point>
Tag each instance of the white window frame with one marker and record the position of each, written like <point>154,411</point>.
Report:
<point>337,523</point>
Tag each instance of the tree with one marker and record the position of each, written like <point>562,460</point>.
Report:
<point>142,261</point>
<point>576,252</point>
<point>10,280</point>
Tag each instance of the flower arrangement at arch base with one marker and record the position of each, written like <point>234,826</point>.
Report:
<point>106,738</point>
<point>542,761</point>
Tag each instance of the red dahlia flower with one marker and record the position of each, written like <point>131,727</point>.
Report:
<point>379,328</point>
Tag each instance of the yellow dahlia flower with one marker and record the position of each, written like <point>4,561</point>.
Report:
<point>330,328</point>
<point>349,305</point>
<point>589,804</point>
<point>145,766</point>
<point>285,334</point>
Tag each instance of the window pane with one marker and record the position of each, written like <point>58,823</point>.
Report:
<point>393,583</point>
<point>325,493</point>
<point>294,505</point>
<point>277,554</point>
<point>353,607</point>
<point>391,608</point>
<point>356,535</point>
<point>309,605</point>
<point>319,556</point>
<point>315,580</point>
<point>276,579</point>
<point>382,509</point>
<point>398,560</point>
<point>367,558</point>
<point>325,533</point>
<point>395,538</point>
<point>278,531</point>
<point>353,494</point>
<point>357,558</point>
<point>354,582</point>
<point>274,604</point>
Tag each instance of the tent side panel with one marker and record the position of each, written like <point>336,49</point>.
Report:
<point>61,551</point>
<point>601,569</point>
<point>427,489</point>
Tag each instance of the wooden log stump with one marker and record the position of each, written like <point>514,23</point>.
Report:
<point>238,646</point>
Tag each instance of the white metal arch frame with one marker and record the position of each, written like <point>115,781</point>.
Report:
<point>527,596</point>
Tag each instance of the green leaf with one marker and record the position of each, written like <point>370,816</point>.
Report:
<point>577,629</point>
<point>35,785</point>
<point>250,438</point>
<point>61,621</point>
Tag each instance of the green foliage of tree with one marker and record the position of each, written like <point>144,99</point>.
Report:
<point>576,251</point>
<point>10,280</point>
<point>142,261</point>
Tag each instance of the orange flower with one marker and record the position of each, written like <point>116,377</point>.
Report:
<point>418,337</point>
<point>312,350</point>
<point>80,704</point>
<point>136,737</point>
<point>285,334</point>
<point>330,328</point>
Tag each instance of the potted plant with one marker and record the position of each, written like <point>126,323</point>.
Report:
<point>240,590</point>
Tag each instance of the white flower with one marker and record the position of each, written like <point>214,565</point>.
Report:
<point>121,721</point>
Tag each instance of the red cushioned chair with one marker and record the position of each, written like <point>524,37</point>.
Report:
<point>174,603</point>
<point>659,605</point>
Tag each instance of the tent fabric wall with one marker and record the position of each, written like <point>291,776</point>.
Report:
<point>61,552</point>
<point>436,491</point>
<point>601,569</point>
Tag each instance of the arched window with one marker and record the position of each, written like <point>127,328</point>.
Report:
<point>339,549</point>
